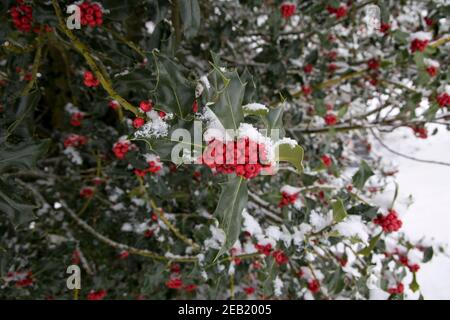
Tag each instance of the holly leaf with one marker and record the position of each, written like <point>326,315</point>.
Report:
<point>17,211</point>
<point>229,93</point>
<point>292,154</point>
<point>21,156</point>
<point>361,176</point>
<point>339,212</point>
<point>232,201</point>
<point>373,242</point>
<point>190,17</point>
<point>173,91</point>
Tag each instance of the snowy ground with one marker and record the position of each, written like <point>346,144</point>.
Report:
<point>429,184</point>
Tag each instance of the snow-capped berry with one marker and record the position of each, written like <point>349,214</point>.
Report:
<point>373,64</point>
<point>419,45</point>
<point>146,106</point>
<point>113,104</point>
<point>138,122</point>
<point>287,9</point>
<point>326,160</point>
<point>443,99</point>
<point>330,119</point>
<point>90,80</point>
<point>390,222</point>
<point>314,286</point>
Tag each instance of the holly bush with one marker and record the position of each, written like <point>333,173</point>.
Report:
<point>95,98</point>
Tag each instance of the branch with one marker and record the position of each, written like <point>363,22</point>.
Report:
<point>83,49</point>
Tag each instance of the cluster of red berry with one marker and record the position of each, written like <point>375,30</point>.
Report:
<point>397,290</point>
<point>420,132</point>
<point>152,168</point>
<point>120,149</point>
<point>339,12</point>
<point>264,249</point>
<point>75,140</point>
<point>390,222</point>
<point>21,279</point>
<point>177,283</point>
<point>96,295</point>
<point>287,9</point>
<point>22,16</point>
<point>287,199</point>
<point>90,80</point>
<point>76,118</point>
<point>280,257</point>
<point>418,45</point>
<point>413,267</point>
<point>443,99</point>
<point>91,14</point>
<point>243,157</point>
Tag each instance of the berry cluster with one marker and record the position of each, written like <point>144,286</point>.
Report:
<point>153,167</point>
<point>420,132</point>
<point>22,16</point>
<point>287,9</point>
<point>96,295</point>
<point>390,222</point>
<point>121,148</point>
<point>287,199</point>
<point>177,283</point>
<point>397,290</point>
<point>280,257</point>
<point>264,249</point>
<point>90,80</point>
<point>76,118</point>
<point>74,140</point>
<point>91,14</point>
<point>413,267</point>
<point>339,12</point>
<point>21,279</point>
<point>418,45</point>
<point>443,99</point>
<point>243,157</point>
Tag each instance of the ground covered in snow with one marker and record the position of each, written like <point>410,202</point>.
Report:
<point>429,185</point>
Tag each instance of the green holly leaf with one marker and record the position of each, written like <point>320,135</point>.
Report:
<point>173,91</point>
<point>190,17</point>
<point>291,154</point>
<point>21,156</point>
<point>339,212</point>
<point>233,200</point>
<point>228,95</point>
<point>361,176</point>
<point>15,209</point>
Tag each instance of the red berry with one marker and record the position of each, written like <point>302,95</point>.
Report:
<point>287,9</point>
<point>146,106</point>
<point>138,122</point>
